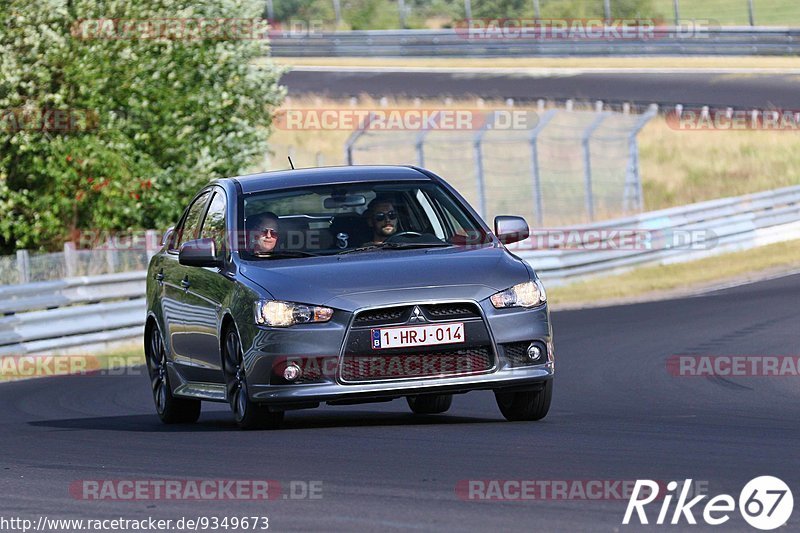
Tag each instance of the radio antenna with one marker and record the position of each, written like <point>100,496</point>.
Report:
<point>290,162</point>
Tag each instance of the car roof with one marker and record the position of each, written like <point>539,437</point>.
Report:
<point>304,177</point>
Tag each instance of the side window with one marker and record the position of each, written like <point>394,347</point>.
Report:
<point>214,224</point>
<point>191,224</point>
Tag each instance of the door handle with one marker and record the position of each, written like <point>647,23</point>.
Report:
<point>185,282</point>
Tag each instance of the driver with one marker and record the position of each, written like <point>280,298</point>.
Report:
<point>263,233</point>
<point>382,219</point>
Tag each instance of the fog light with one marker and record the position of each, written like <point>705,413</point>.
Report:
<point>292,372</point>
<point>534,352</point>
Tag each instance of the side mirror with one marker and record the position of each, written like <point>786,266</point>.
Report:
<point>199,253</point>
<point>511,229</point>
<point>167,235</point>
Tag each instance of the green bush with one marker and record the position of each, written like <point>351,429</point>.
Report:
<point>164,115</point>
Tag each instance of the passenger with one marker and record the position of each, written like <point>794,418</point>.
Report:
<point>263,233</point>
<point>382,219</point>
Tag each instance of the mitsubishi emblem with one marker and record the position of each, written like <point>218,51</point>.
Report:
<point>417,316</point>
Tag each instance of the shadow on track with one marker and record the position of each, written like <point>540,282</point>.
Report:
<point>220,421</point>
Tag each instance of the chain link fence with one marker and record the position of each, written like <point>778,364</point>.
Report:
<point>573,167</point>
<point>119,255</point>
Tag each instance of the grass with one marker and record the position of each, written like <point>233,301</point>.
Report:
<point>734,12</point>
<point>683,167</point>
<point>659,281</point>
<point>732,62</point>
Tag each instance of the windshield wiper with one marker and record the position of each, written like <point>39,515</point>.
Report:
<point>284,254</point>
<point>363,248</point>
<point>401,245</point>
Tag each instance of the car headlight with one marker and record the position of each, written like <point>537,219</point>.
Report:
<point>281,314</point>
<point>528,294</point>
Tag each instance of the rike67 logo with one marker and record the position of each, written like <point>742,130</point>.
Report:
<point>765,503</point>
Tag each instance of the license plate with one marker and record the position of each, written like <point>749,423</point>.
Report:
<point>417,336</point>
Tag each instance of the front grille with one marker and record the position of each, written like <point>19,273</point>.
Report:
<point>454,310</point>
<point>401,314</point>
<point>463,361</point>
<point>381,316</point>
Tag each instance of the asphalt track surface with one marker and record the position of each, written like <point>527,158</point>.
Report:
<point>741,91</point>
<point>617,415</point>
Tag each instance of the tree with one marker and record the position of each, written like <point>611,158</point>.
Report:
<point>114,124</point>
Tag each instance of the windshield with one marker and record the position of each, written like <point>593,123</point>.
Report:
<point>334,219</point>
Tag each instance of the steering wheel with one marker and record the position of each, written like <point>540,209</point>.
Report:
<point>415,234</point>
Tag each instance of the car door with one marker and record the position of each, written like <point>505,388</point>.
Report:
<point>175,280</point>
<point>207,289</point>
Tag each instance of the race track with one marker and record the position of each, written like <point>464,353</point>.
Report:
<point>617,415</point>
<point>741,91</point>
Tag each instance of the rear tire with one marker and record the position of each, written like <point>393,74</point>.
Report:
<point>247,413</point>
<point>527,405</point>
<point>170,409</point>
<point>430,404</point>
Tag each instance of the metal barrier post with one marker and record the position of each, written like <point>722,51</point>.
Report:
<point>587,163</point>
<point>419,143</point>
<point>477,141</point>
<point>70,260</point>
<point>24,266</point>
<point>112,260</point>
<point>535,172</point>
<point>153,243</point>
<point>633,180</point>
<point>348,146</point>
<point>337,10</point>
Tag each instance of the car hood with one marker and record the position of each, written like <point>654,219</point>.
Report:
<point>385,277</point>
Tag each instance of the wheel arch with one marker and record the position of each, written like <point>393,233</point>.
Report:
<point>227,322</point>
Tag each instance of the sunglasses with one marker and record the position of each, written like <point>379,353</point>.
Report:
<point>381,216</point>
<point>270,233</point>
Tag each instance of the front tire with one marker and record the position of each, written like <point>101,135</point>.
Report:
<point>247,413</point>
<point>430,404</point>
<point>527,405</point>
<point>170,409</point>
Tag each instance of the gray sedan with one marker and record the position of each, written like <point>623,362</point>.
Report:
<point>282,290</point>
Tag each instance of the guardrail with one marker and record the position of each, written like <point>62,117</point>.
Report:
<point>734,40</point>
<point>713,227</point>
<point>77,312</point>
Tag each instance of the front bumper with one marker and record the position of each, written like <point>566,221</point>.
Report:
<point>271,346</point>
